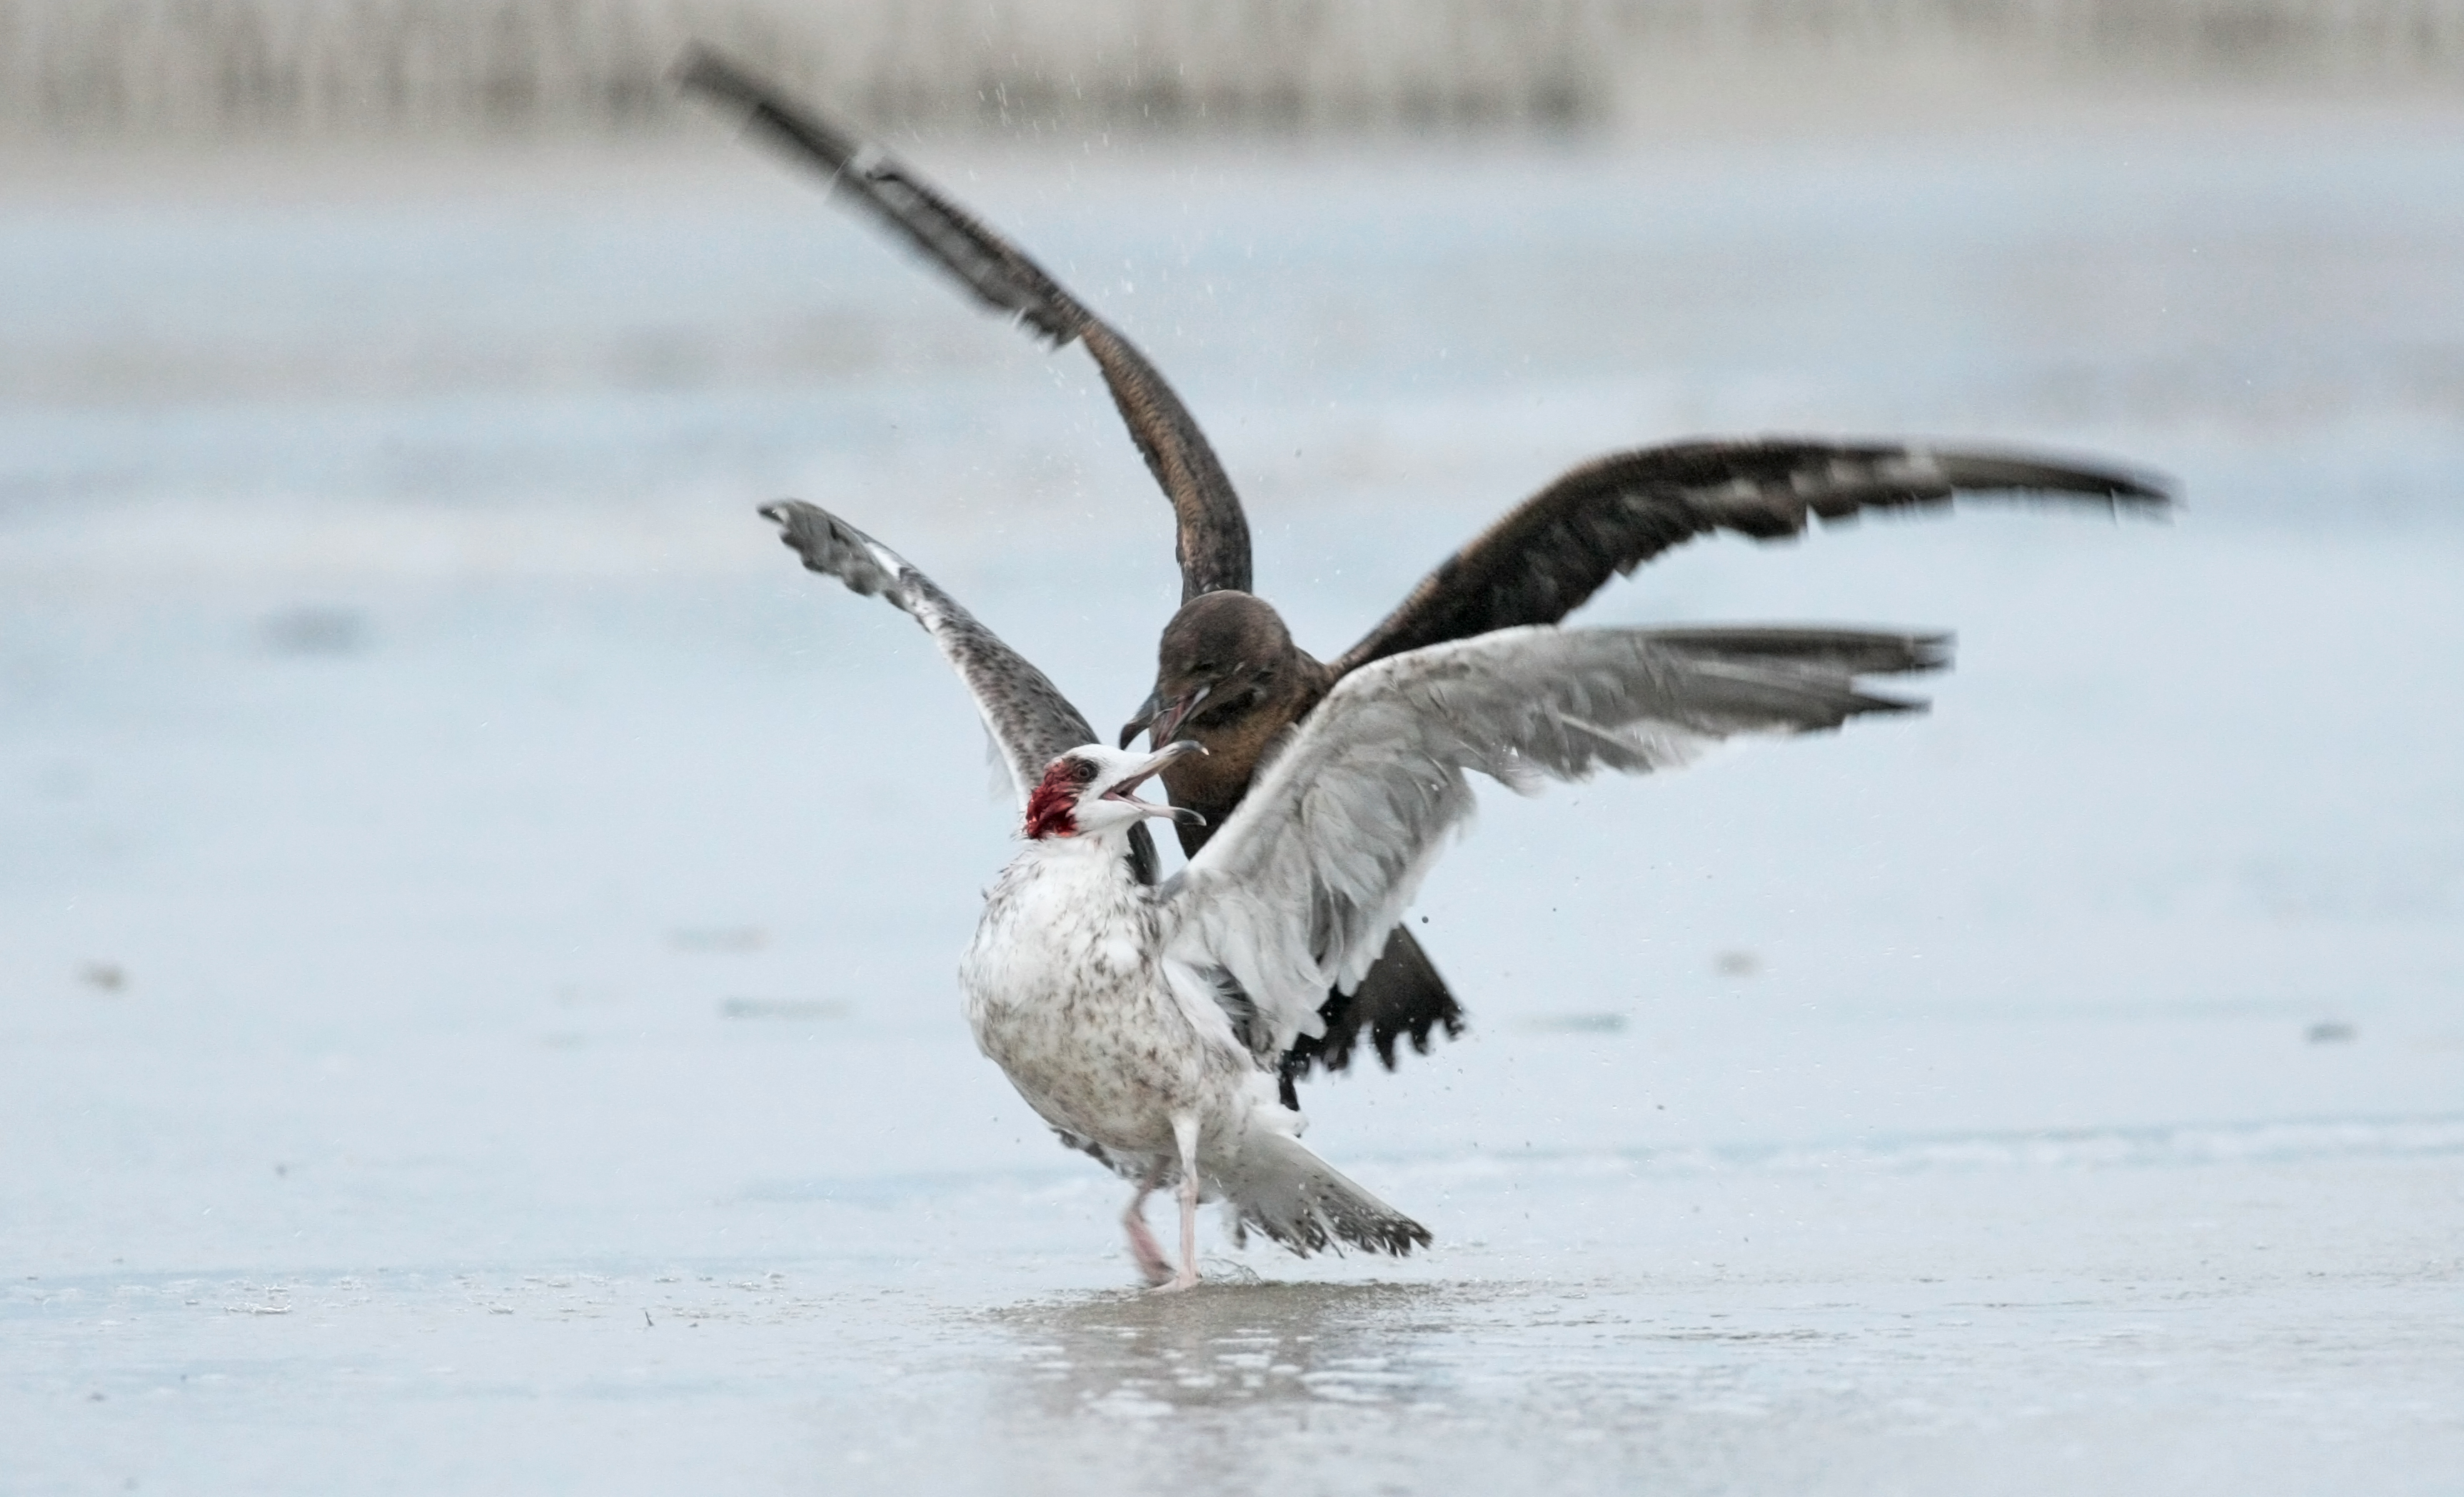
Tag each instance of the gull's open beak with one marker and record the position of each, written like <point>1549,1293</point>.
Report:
<point>1147,771</point>
<point>1163,719</point>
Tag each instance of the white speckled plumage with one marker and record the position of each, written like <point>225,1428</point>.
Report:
<point>1066,988</point>
<point>1071,991</point>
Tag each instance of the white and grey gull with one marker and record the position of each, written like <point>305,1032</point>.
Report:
<point>1146,1023</point>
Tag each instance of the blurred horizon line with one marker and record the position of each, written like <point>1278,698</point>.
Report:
<point>239,69</point>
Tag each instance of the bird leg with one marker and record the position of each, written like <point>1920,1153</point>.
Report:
<point>1184,1130</point>
<point>1150,1261</point>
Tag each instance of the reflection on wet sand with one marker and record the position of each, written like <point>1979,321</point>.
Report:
<point>1247,1386</point>
<point>1229,1343</point>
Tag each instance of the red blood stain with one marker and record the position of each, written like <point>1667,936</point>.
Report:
<point>1052,810</point>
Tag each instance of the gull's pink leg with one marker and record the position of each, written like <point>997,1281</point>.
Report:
<point>1184,1129</point>
<point>1143,1248</point>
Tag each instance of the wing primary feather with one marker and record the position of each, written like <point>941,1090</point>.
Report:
<point>986,264</point>
<point>1546,557</point>
<point>1026,715</point>
<point>1030,721</point>
<point>1848,651</point>
<point>1212,535</point>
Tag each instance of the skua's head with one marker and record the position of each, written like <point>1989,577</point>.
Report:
<point>1086,792</point>
<point>1221,654</point>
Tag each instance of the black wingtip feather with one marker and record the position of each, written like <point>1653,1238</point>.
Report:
<point>2139,491</point>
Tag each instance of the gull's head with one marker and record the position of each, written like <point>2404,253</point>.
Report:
<point>1221,654</point>
<point>1086,792</point>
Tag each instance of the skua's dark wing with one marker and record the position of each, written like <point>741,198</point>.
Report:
<point>1546,557</point>
<point>1211,540</point>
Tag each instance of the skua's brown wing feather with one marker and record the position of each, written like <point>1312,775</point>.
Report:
<point>1211,540</point>
<point>1546,557</point>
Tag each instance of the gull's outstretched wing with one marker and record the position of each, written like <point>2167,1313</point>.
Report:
<point>1546,557</point>
<point>1211,540</point>
<point>1298,891</point>
<point>1030,721</point>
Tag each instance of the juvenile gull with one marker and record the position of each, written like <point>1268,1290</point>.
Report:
<point>1228,674</point>
<point>1149,1024</point>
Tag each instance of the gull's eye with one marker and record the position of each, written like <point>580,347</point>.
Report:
<point>1080,771</point>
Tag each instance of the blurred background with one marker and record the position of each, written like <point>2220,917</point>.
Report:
<point>472,910</point>
<point>133,68</point>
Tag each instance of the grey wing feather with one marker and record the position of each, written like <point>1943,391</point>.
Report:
<point>1212,535</point>
<point>1847,651</point>
<point>1298,891</point>
<point>1030,721</point>
<point>1546,557</point>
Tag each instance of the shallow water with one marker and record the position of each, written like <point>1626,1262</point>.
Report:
<point>479,922</point>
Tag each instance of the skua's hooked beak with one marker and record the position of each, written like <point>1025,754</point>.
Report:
<point>1163,718</point>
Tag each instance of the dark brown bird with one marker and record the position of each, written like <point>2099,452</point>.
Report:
<point>1228,674</point>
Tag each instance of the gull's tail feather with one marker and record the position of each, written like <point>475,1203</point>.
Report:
<point>1282,1188</point>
